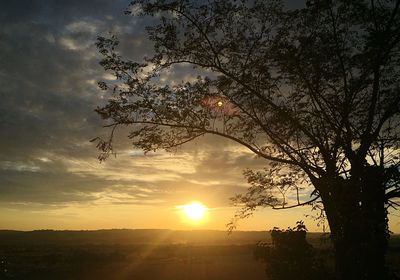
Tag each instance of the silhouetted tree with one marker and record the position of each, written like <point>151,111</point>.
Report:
<point>314,91</point>
<point>290,256</point>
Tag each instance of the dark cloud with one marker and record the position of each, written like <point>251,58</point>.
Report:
<point>57,12</point>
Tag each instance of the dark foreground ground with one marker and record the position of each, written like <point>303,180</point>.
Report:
<point>141,254</point>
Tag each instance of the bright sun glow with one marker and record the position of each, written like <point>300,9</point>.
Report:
<point>194,211</point>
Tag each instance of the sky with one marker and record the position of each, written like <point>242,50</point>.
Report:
<point>50,177</point>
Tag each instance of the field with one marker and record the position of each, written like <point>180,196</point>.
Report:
<point>139,254</point>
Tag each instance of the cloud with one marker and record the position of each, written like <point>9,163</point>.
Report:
<point>49,93</point>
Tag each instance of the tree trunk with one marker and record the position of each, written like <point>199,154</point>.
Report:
<point>359,255</point>
<point>357,216</point>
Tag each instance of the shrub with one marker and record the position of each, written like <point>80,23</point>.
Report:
<point>290,256</point>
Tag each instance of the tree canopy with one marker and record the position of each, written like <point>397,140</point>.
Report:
<point>315,89</point>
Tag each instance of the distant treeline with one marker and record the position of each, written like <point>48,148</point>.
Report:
<point>151,236</point>
<point>137,236</point>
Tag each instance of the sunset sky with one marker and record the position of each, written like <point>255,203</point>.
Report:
<point>50,177</point>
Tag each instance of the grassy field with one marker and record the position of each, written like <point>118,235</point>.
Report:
<point>131,262</point>
<point>126,254</point>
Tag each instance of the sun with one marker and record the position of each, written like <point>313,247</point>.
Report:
<point>194,211</point>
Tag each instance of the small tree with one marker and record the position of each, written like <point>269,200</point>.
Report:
<point>290,256</point>
<point>314,91</point>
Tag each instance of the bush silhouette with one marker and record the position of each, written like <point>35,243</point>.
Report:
<point>290,256</point>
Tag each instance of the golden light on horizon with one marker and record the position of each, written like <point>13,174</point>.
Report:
<point>194,211</point>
